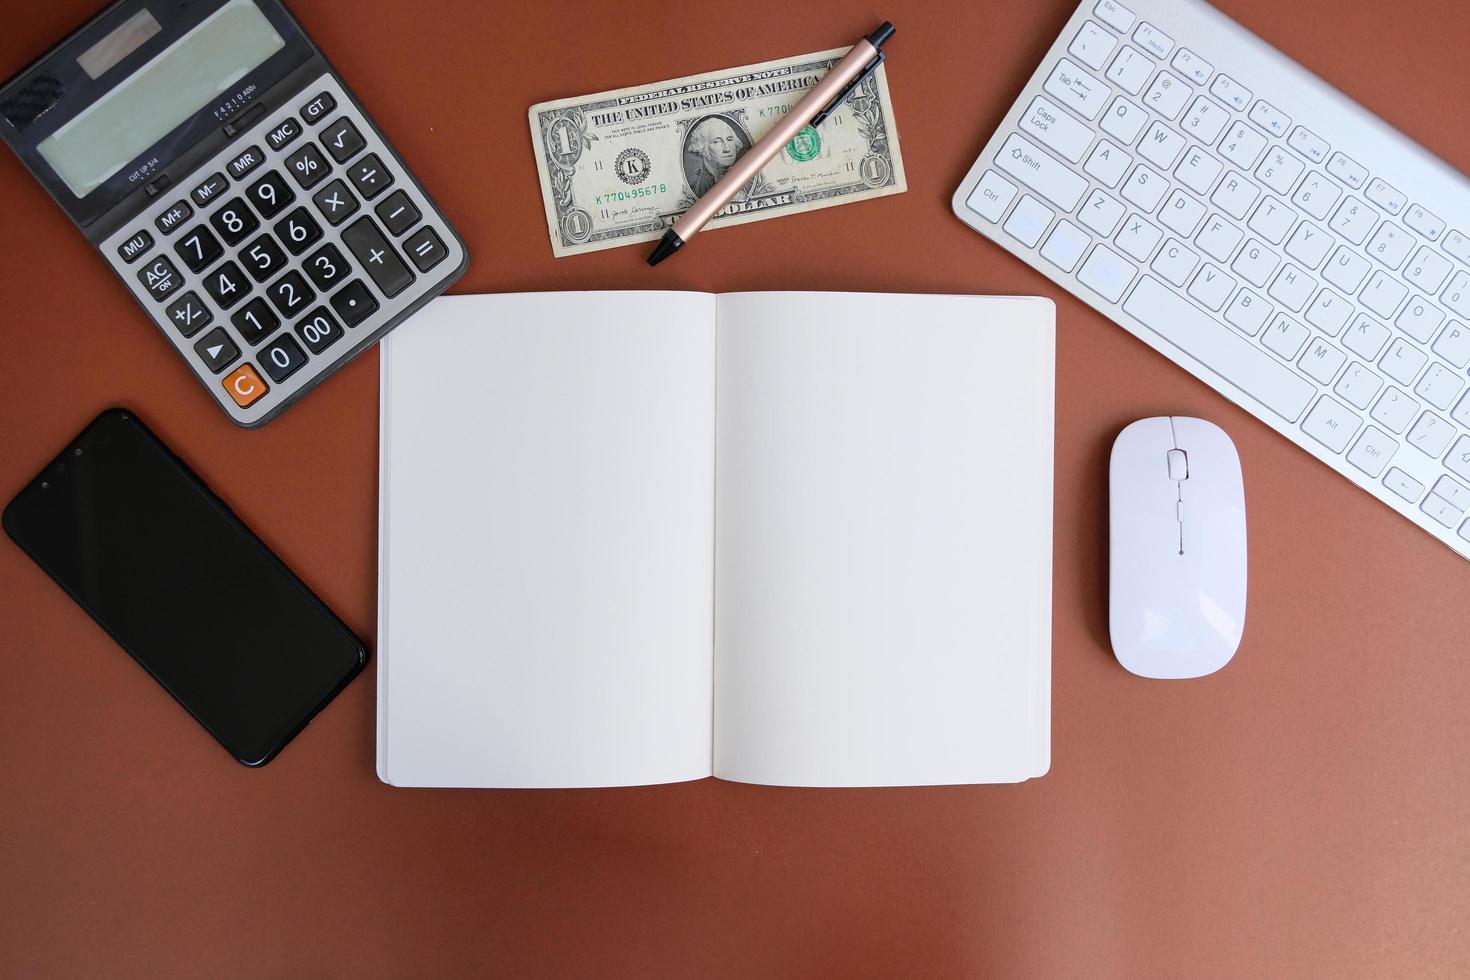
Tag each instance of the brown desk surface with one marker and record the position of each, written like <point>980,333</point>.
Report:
<point>1303,812</point>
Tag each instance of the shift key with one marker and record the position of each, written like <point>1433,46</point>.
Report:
<point>377,256</point>
<point>1041,171</point>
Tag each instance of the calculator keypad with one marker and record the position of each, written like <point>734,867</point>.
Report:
<point>286,270</point>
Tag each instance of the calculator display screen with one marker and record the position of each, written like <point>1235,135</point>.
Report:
<point>188,75</point>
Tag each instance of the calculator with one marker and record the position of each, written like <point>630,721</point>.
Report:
<point>226,173</point>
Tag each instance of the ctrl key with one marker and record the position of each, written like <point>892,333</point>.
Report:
<point>991,196</point>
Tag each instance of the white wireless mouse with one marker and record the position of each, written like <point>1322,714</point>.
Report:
<point>1177,565</point>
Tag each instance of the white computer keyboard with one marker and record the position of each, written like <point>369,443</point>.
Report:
<point>1258,228</point>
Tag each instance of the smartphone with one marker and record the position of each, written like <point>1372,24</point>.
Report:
<point>160,563</point>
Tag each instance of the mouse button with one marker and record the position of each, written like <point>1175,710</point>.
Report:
<point>1178,464</point>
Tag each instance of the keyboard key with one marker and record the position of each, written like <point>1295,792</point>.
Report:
<point>989,200</point>
<point>1114,14</point>
<point>216,350</point>
<point>1308,144</point>
<point>1453,344</point>
<point>1154,41</point>
<point>1161,146</point>
<point>376,255</point>
<point>1458,459</point>
<point>1439,386</point>
<point>1346,270</point>
<point>1366,338</point>
<point>255,321</point>
<point>1212,287</point>
<point>326,267</point>
<point>1220,349</point>
<point>1390,245</point>
<point>1348,171</point>
<point>1280,170</point>
<point>1131,70</point>
<point>227,284</point>
<point>1403,484</point>
<point>1426,224</point>
<point>369,176</point>
<point>1076,89</point>
<point>263,258</point>
<point>1403,361</point>
<point>1428,270</point>
<point>319,331</point>
<point>425,249</point>
<point>1372,451</point>
<point>1101,213</point>
<point>354,303</point>
<point>1167,95</point>
<point>1198,171</point>
<point>1309,245</point>
<point>1272,220</point>
<point>282,358</point>
<point>1182,214</point>
<point>1457,294</point>
<point>246,161</point>
<point>1292,288</point>
<point>1063,248</point>
<point>1357,386</point>
<point>1442,510</point>
<point>316,110</point>
<point>1235,195</point>
<point>1461,414</point>
<point>1316,196</point>
<point>297,231</point>
<point>1193,67</point>
<point>1204,120</point>
<point>1144,188</point>
<point>1108,163</point>
<point>198,249</point>
<point>1242,146</point>
<point>1247,312</point>
<point>1029,221</point>
<point>1231,92</point>
<point>160,277</point>
<point>1457,495</point>
<point>1354,220</point>
<point>1107,273</point>
<point>1174,262</point>
<point>1270,118</point>
<point>1385,195</point>
<point>1395,410</point>
<point>234,221</point>
<point>1331,423</point>
<point>283,134</point>
<point>245,386</point>
<point>1123,121</point>
<point>1057,129</point>
<point>1329,312</point>
<point>342,140</point>
<point>1458,244</point>
<point>290,294</point>
<point>1092,45</point>
<point>1138,238</point>
<point>1285,337</point>
<point>270,194</point>
<point>336,202</point>
<point>1034,167</point>
<point>1431,434</point>
<point>1218,238</point>
<point>1255,263</point>
<point>173,219</point>
<point>308,167</point>
<point>189,314</point>
<point>1321,361</point>
<point>1383,295</point>
<point>209,190</point>
<point>1419,320</point>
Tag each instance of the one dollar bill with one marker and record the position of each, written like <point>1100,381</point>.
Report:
<point>618,167</point>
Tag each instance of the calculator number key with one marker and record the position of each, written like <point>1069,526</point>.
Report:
<point>342,140</point>
<point>319,331</point>
<point>255,321</point>
<point>354,303</point>
<point>227,285</point>
<point>377,256</point>
<point>160,277</point>
<point>291,294</point>
<point>189,314</point>
<point>298,231</point>
<point>336,202</point>
<point>234,221</point>
<point>198,248</point>
<point>308,167</point>
<point>263,258</point>
<point>270,194</point>
<point>326,267</point>
<point>369,176</point>
<point>425,248</point>
<point>282,358</point>
<point>398,214</point>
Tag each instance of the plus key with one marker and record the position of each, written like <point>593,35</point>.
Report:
<point>377,256</point>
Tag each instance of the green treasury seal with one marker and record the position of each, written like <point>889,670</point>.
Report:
<point>805,145</point>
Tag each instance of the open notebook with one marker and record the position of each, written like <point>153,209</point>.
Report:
<point>785,538</point>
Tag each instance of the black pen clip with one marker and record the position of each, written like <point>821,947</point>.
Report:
<point>851,86</point>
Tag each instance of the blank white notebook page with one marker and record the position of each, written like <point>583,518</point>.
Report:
<point>883,539</point>
<point>545,545</point>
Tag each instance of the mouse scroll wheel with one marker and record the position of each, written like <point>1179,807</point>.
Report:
<point>1178,464</point>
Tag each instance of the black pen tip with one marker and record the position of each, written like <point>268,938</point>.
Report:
<point>882,34</point>
<point>667,246</point>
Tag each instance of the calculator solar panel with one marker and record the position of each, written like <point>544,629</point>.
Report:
<point>271,240</point>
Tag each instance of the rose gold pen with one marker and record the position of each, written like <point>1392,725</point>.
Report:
<point>815,106</point>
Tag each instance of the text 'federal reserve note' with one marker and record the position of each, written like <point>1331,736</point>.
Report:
<point>618,167</point>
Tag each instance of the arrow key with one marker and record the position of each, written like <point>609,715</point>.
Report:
<point>217,350</point>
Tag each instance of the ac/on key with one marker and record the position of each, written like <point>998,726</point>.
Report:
<point>377,256</point>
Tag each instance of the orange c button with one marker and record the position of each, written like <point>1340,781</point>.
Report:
<point>245,386</point>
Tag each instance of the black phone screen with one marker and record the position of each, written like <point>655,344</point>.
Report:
<point>182,585</point>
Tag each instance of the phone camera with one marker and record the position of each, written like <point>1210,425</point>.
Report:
<point>77,451</point>
<point>45,485</point>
